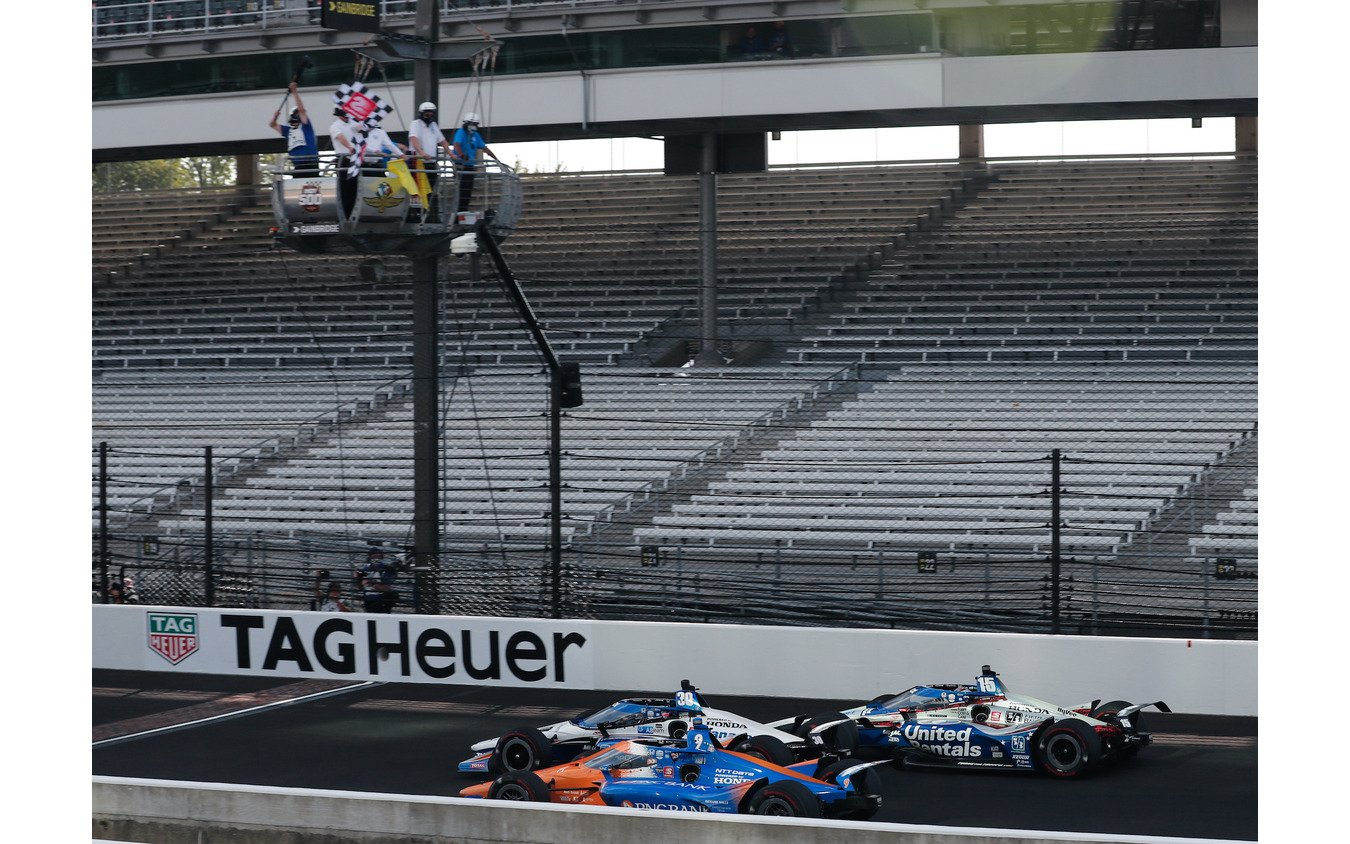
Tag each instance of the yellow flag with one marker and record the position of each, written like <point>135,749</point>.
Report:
<point>399,168</point>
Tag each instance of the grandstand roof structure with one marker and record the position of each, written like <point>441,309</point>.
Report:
<point>206,79</point>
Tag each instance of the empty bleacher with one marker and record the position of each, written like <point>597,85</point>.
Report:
<point>1104,309</point>
<point>1078,262</point>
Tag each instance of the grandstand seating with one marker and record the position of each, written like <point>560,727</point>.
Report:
<point>1103,308</point>
<point>1069,263</point>
<point>954,458</point>
<point>636,427</point>
<point>1234,531</point>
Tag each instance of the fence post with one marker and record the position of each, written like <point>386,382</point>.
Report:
<point>208,539</point>
<point>103,522</point>
<point>1054,541</point>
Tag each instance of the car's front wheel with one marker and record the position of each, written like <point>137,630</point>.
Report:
<point>525,786</point>
<point>525,749</point>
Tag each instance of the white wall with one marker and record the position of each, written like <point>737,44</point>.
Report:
<point>1192,676</point>
<point>809,86</point>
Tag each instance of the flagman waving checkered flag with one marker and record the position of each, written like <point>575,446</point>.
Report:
<point>366,109</point>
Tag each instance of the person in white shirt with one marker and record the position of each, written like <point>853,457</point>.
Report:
<point>343,134</point>
<point>379,146</point>
<point>424,136</point>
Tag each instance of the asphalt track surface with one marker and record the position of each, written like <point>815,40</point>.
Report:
<point>1198,779</point>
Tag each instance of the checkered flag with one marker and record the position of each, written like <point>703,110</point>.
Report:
<point>357,101</point>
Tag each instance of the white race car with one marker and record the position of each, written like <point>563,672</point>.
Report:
<point>662,721</point>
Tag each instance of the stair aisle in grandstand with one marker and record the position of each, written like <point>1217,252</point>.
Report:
<point>604,260</point>
<point>635,428</point>
<point>955,458</point>
<point>1075,262</point>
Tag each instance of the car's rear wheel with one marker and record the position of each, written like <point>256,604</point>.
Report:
<point>1110,713</point>
<point>785,799</point>
<point>866,781</point>
<point>521,750</point>
<point>526,786</point>
<point>842,738</point>
<point>767,748</point>
<point>1069,748</point>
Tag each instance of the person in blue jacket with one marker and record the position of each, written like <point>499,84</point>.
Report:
<point>465,153</point>
<point>299,134</point>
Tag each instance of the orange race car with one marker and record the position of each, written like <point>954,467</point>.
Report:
<point>697,775</point>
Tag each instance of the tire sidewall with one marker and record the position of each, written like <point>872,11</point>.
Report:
<point>786,799</point>
<point>1067,749</point>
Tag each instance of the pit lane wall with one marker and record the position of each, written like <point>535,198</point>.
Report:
<point>168,812</point>
<point>1197,676</point>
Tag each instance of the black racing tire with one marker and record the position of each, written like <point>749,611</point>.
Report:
<point>1069,749</point>
<point>1109,712</point>
<point>841,738</point>
<point>525,749</point>
<point>785,799</point>
<point>866,781</point>
<point>768,748</point>
<point>525,786</point>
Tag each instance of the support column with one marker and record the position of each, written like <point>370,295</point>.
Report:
<point>246,170</point>
<point>707,253</point>
<point>971,142</point>
<point>426,435</point>
<point>426,374</point>
<point>1244,129</point>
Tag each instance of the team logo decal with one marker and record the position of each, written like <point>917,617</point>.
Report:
<point>384,198</point>
<point>173,635</point>
<point>311,198</point>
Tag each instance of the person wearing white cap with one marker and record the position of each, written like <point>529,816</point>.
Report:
<point>299,135</point>
<point>424,136</point>
<point>467,144</point>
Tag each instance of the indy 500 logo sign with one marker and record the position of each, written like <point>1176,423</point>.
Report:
<point>173,635</point>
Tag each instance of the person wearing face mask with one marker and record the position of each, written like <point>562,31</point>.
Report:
<point>425,139</point>
<point>299,134</point>
<point>467,145</point>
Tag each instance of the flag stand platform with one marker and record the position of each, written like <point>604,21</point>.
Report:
<point>385,216</point>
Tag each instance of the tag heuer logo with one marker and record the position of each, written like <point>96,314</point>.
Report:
<point>173,635</point>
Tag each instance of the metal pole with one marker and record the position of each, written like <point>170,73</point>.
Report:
<point>208,542</point>
<point>555,485</point>
<point>426,436</point>
<point>1054,541</point>
<point>707,253</point>
<point>103,521</point>
<point>426,375</point>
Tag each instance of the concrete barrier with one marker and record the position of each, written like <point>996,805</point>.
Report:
<point>1198,676</point>
<point>165,812</point>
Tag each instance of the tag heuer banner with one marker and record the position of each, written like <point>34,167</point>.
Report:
<point>359,15</point>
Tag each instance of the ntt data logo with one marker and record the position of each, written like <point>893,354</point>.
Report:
<point>173,635</point>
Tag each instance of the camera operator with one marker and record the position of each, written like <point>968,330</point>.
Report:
<point>328,599</point>
<point>377,582</point>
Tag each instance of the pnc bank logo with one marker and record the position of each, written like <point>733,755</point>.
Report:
<point>173,635</point>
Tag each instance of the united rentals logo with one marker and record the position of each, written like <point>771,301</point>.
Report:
<point>173,635</point>
<point>384,198</point>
